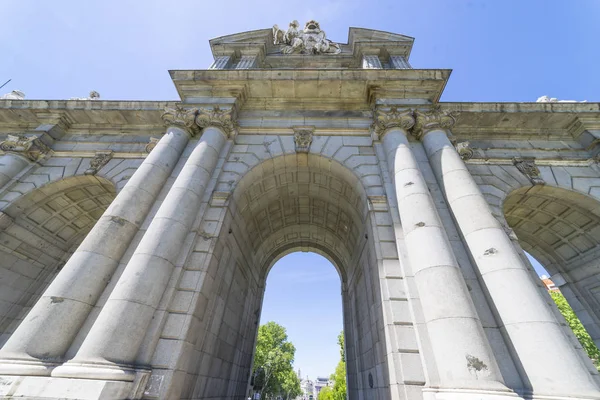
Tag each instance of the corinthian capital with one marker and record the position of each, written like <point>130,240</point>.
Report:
<point>224,119</point>
<point>29,146</point>
<point>434,119</point>
<point>181,117</point>
<point>387,118</point>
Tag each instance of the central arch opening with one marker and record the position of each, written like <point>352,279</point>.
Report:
<point>296,202</point>
<point>303,296</point>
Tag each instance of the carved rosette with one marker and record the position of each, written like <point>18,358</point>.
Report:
<point>303,138</point>
<point>182,118</point>
<point>464,150</point>
<point>151,145</point>
<point>389,118</point>
<point>528,168</point>
<point>100,160</point>
<point>224,119</point>
<point>29,146</point>
<point>434,119</point>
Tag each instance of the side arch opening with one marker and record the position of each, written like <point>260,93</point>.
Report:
<point>38,233</point>
<point>560,229</point>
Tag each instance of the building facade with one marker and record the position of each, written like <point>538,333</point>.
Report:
<point>136,237</point>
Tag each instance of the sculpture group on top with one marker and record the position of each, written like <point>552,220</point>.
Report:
<point>310,40</point>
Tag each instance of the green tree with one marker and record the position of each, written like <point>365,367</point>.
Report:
<point>326,394</point>
<point>339,376</point>
<point>290,385</point>
<point>272,360</point>
<point>580,333</point>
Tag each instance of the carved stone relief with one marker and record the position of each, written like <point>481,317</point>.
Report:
<point>303,138</point>
<point>528,168</point>
<point>31,146</point>
<point>100,160</point>
<point>464,150</point>
<point>310,40</point>
<point>387,118</point>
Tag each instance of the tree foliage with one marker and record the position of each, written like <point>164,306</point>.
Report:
<point>580,333</point>
<point>326,394</point>
<point>273,360</point>
<point>338,392</point>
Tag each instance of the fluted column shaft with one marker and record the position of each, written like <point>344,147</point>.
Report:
<point>457,337</point>
<point>548,360</point>
<point>10,166</point>
<point>50,327</point>
<point>118,332</point>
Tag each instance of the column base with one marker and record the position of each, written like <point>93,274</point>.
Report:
<point>31,367</point>
<point>466,394</point>
<point>100,370</point>
<point>38,387</point>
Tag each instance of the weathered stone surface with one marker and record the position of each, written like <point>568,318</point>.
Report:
<point>134,267</point>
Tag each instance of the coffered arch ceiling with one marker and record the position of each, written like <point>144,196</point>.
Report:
<point>313,204</point>
<point>559,227</point>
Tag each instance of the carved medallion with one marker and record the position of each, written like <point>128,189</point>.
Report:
<point>387,118</point>
<point>303,138</point>
<point>528,168</point>
<point>151,145</point>
<point>464,150</point>
<point>100,160</point>
<point>310,40</point>
<point>30,146</point>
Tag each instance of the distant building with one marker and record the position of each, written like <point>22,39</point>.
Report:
<point>550,286</point>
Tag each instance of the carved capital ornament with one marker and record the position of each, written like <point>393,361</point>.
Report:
<point>464,150</point>
<point>100,160</point>
<point>528,168</point>
<point>182,118</point>
<point>29,146</point>
<point>224,119</point>
<point>193,120</point>
<point>386,119</point>
<point>434,119</point>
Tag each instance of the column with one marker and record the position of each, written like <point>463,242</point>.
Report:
<point>549,362</point>
<point>461,350</point>
<point>46,333</point>
<point>19,152</point>
<point>110,348</point>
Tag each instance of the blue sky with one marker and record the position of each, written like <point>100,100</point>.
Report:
<point>499,50</point>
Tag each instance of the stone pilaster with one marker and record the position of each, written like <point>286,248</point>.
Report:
<point>524,314</point>
<point>110,348</point>
<point>44,336</point>
<point>460,347</point>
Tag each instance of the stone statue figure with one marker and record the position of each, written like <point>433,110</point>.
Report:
<point>92,96</point>
<point>310,40</point>
<point>14,95</point>
<point>548,99</point>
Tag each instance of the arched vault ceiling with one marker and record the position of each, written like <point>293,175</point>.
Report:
<point>556,224</point>
<point>301,205</point>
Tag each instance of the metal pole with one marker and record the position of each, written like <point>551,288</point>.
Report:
<point>5,83</point>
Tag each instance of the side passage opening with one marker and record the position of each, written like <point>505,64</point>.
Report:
<point>299,349</point>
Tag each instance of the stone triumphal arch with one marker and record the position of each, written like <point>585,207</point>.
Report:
<point>135,237</point>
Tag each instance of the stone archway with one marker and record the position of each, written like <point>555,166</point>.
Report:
<point>38,233</point>
<point>561,229</point>
<point>312,204</point>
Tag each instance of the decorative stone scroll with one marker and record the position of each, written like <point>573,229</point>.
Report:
<point>434,119</point>
<point>100,160</point>
<point>528,168</point>
<point>151,145</point>
<point>310,40</point>
<point>464,150</point>
<point>387,118</point>
<point>30,146</point>
<point>303,138</point>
